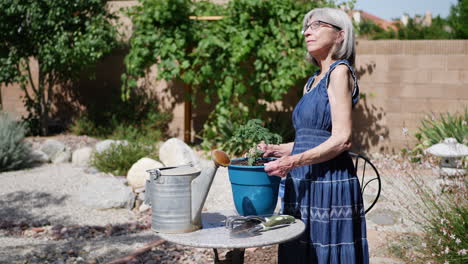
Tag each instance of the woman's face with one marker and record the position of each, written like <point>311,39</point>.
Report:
<point>320,37</point>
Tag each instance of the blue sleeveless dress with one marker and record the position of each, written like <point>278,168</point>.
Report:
<point>325,196</point>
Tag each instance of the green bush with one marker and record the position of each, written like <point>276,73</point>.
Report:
<point>119,158</point>
<point>433,131</point>
<point>15,153</point>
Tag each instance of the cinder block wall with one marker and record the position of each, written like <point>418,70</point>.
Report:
<point>403,82</point>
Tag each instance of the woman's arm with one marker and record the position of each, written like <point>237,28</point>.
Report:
<point>339,95</point>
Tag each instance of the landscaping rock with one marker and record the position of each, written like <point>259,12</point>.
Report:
<point>39,157</point>
<point>64,156</point>
<point>104,191</point>
<point>137,175</point>
<point>82,156</point>
<point>106,144</point>
<point>175,152</point>
<point>56,151</point>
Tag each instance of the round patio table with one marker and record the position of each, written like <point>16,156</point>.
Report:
<point>215,235</point>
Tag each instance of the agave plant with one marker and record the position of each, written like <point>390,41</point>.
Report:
<point>433,131</point>
<point>15,153</point>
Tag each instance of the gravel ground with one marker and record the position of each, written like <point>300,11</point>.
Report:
<point>42,221</point>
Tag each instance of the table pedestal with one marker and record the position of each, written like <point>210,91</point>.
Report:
<point>236,256</point>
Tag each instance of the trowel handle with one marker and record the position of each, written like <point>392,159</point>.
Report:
<point>278,220</point>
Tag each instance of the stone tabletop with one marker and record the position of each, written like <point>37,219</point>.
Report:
<point>215,235</point>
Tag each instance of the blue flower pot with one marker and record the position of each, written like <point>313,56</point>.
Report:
<point>254,192</point>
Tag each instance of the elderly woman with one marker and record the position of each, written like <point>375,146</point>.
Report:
<point>320,185</point>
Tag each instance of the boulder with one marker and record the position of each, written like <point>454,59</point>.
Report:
<point>64,156</point>
<point>54,149</point>
<point>106,144</point>
<point>175,152</point>
<point>104,191</point>
<point>39,157</point>
<point>81,157</point>
<point>137,175</point>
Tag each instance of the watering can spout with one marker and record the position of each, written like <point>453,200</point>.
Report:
<point>201,185</point>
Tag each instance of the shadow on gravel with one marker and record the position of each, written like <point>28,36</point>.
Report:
<point>97,250</point>
<point>17,208</point>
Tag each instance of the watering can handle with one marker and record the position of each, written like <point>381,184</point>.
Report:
<point>147,193</point>
<point>154,175</point>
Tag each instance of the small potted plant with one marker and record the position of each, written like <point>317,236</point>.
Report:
<point>254,192</point>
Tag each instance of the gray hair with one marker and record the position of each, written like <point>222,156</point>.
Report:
<point>347,48</point>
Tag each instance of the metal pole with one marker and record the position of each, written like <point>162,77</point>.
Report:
<point>187,113</point>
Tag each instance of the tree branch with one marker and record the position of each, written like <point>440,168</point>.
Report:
<point>23,86</point>
<point>30,78</point>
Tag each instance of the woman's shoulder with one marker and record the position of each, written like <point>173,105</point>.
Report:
<point>341,71</point>
<point>342,63</point>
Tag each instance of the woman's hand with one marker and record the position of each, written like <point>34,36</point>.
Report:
<point>267,149</point>
<point>277,151</point>
<point>280,167</point>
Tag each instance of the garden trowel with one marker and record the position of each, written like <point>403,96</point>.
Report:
<point>246,226</point>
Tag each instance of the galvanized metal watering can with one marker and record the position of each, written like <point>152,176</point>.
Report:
<point>177,194</point>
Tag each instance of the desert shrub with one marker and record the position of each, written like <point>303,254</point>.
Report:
<point>446,239</point>
<point>14,151</point>
<point>119,158</point>
<point>443,220</point>
<point>434,130</point>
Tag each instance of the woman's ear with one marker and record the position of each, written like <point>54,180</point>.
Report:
<point>340,37</point>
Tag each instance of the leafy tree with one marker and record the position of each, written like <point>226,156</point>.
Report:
<point>458,19</point>
<point>64,37</point>
<point>367,28</point>
<point>255,52</point>
<point>437,30</point>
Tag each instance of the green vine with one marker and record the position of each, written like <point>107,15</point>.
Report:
<point>256,52</point>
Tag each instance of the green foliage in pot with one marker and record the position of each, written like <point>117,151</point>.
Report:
<point>64,37</point>
<point>15,153</point>
<point>246,138</point>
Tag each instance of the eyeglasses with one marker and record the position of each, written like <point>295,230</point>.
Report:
<point>316,24</point>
